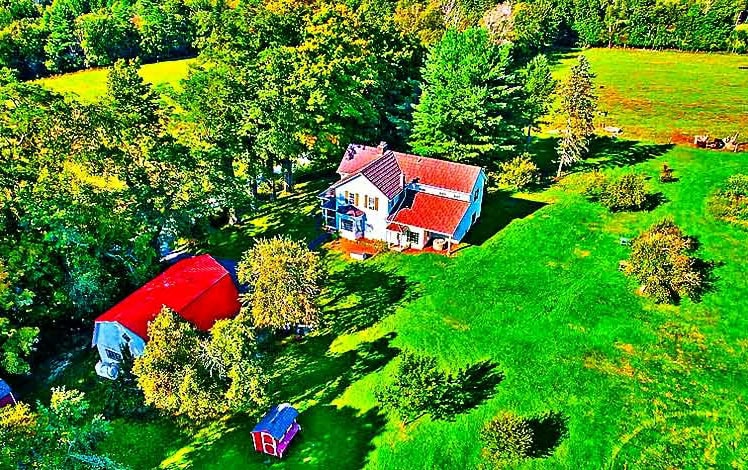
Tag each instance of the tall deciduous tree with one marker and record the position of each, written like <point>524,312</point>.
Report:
<point>284,279</point>
<point>470,106</point>
<point>187,374</point>
<point>578,106</point>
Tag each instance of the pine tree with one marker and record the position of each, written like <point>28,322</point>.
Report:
<point>470,108</point>
<point>578,104</point>
<point>539,87</point>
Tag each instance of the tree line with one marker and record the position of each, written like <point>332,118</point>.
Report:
<point>41,37</point>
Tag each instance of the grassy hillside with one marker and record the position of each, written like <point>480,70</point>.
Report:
<point>90,85</point>
<point>653,94</point>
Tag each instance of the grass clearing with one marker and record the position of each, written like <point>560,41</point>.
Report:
<point>90,85</point>
<point>653,94</point>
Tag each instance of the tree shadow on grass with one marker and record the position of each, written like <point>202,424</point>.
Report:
<point>363,294</point>
<point>499,210</point>
<point>333,437</point>
<point>548,432</point>
<point>308,371</point>
<point>605,152</point>
<point>330,437</point>
<point>608,152</point>
<point>477,384</point>
<point>310,377</point>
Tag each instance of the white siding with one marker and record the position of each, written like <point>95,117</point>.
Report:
<point>375,220</point>
<point>441,192</point>
<point>110,335</point>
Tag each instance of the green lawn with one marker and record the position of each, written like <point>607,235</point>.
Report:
<point>90,85</point>
<point>654,94</point>
<point>539,299</point>
<point>538,302</point>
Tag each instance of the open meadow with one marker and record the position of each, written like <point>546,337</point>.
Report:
<point>535,308</point>
<point>652,95</point>
<point>90,85</point>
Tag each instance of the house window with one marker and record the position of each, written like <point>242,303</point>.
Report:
<point>475,194</point>
<point>351,198</point>
<point>113,355</point>
<point>413,237</point>
<point>371,203</point>
<point>347,225</point>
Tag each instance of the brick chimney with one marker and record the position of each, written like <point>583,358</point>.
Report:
<point>383,146</point>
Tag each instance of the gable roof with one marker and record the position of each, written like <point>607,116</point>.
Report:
<point>199,289</point>
<point>444,174</point>
<point>385,174</point>
<point>277,421</point>
<point>385,169</point>
<point>433,213</point>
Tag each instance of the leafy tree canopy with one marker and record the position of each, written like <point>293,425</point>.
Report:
<point>470,107</point>
<point>284,279</point>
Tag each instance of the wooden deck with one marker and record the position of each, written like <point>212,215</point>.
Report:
<point>373,247</point>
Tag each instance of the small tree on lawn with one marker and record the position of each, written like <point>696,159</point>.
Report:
<point>284,282</point>
<point>506,439</point>
<point>517,173</point>
<point>660,260</point>
<point>625,193</point>
<point>578,105</point>
<point>419,387</point>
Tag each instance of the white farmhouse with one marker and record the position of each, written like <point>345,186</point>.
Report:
<point>406,200</point>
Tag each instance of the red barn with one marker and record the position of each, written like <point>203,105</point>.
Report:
<point>200,289</point>
<point>276,430</point>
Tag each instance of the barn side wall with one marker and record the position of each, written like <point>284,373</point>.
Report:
<point>111,335</point>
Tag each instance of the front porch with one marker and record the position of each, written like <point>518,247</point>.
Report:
<point>405,238</point>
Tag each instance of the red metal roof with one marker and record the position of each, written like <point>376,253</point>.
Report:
<point>438,173</point>
<point>199,289</point>
<point>430,212</point>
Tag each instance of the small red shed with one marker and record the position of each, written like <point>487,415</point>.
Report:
<point>276,430</point>
<point>6,394</point>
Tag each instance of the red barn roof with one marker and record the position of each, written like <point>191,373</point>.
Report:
<point>430,212</point>
<point>199,289</point>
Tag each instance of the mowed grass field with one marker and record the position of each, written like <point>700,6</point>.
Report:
<point>536,300</point>
<point>90,85</point>
<point>653,94</point>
